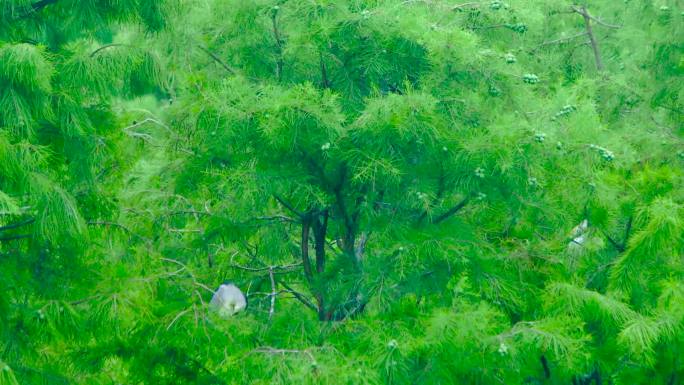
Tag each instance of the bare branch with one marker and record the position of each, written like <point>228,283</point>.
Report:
<point>217,60</point>
<point>283,268</point>
<point>472,4</point>
<point>273,292</point>
<point>592,39</point>
<point>274,351</point>
<point>192,276</point>
<point>301,297</point>
<point>561,40</point>
<point>583,11</point>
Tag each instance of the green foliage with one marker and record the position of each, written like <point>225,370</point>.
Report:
<point>408,192</point>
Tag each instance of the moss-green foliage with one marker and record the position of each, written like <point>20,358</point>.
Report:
<point>409,192</point>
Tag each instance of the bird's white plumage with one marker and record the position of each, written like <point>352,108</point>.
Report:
<point>228,300</point>
<point>580,229</point>
<point>579,235</point>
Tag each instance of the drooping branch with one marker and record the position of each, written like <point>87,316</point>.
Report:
<point>106,46</point>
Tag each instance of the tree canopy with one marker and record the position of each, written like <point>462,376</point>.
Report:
<point>407,191</point>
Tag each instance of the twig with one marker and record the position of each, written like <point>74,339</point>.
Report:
<point>259,269</point>
<point>272,350</point>
<point>108,46</point>
<point>583,11</point>
<point>473,4</point>
<point>148,120</point>
<point>217,59</point>
<point>176,318</point>
<point>192,276</point>
<point>299,296</point>
<point>114,224</point>
<point>273,292</point>
<point>560,40</point>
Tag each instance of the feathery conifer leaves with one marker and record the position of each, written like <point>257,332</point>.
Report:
<point>406,191</point>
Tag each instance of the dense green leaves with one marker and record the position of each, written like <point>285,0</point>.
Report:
<point>407,191</point>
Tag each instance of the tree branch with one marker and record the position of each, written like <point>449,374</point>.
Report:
<point>451,211</point>
<point>306,225</point>
<point>613,242</point>
<point>324,72</point>
<point>114,224</point>
<point>320,229</point>
<point>583,11</point>
<point>14,237</point>
<point>288,206</point>
<point>217,60</point>
<point>279,45</point>
<point>17,225</point>
<point>592,39</point>
<point>37,6</point>
<point>628,229</point>
<point>473,4</point>
<point>300,297</point>
<point>108,46</point>
<point>271,310</point>
<point>561,40</point>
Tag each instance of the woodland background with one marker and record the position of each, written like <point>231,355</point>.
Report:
<point>410,192</point>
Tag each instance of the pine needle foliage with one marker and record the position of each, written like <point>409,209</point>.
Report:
<point>408,192</point>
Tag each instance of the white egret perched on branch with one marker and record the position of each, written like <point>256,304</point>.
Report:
<point>228,300</point>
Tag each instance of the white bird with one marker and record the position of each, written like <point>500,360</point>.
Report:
<point>579,235</point>
<point>228,300</point>
<point>580,229</point>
